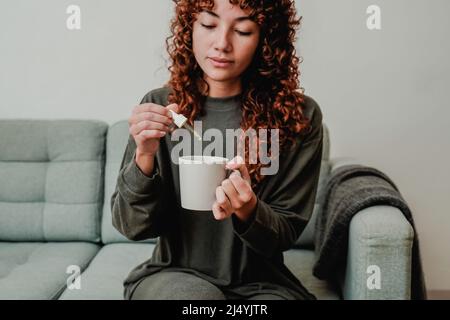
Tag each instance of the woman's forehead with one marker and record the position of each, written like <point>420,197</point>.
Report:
<point>235,17</point>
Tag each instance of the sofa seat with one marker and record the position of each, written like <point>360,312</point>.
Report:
<point>300,262</point>
<point>37,270</point>
<point>103,279</point>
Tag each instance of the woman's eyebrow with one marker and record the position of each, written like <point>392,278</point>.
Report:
<point>217,16</point>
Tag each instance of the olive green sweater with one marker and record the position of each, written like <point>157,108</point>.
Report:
<point>241,259</point>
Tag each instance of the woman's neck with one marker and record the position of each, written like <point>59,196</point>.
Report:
<point>221,89</point>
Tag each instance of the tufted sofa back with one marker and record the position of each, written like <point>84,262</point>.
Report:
<point>51,174</point>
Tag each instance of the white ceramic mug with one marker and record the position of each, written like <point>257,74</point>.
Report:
<point>199,178</point>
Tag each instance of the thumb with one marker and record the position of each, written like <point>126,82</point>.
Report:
<point>173,107</point>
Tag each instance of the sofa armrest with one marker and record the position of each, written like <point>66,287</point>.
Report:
<point>380,243</point>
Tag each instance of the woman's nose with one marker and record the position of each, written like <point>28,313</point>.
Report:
<point>222,41</point>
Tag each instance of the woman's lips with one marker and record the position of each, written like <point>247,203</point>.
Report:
<point>219,64</point>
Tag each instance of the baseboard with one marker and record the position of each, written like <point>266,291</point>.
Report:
<point>438,294</point>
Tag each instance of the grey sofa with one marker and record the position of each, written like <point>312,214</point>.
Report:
<point>56,180</point>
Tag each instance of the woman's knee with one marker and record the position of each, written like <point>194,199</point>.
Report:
<point>176,286</point>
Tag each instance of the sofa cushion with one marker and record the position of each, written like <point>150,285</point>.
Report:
<point>117,139</point>
<point>38,271</point>
<point>104,277</point>
<point>301,262</point>
<point>52,179</point>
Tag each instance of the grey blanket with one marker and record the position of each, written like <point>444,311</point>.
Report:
<point>350,189</point>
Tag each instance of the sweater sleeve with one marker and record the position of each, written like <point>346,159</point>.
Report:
<point>286,205</point>
<point>137,204</point>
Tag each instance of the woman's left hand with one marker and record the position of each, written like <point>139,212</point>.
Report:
<point>235,194</point>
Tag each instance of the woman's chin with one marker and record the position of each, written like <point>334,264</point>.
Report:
<point>219,75</point>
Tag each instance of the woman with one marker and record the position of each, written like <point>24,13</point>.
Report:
<point>236,251</point>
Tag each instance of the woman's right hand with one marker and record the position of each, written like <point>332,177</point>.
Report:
<point>148,123</point>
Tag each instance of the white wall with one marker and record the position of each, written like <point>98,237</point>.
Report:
<point>383,93</point>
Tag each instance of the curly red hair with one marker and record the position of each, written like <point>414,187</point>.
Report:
<point>271,98</point>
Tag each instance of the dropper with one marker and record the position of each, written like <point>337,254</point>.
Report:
<point>181,121</point>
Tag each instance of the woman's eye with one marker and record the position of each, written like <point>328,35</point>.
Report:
<point>239,32</point>
<point>206,26</point>
<point>243,33</point>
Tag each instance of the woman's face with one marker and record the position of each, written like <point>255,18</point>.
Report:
<point>226,33</point>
